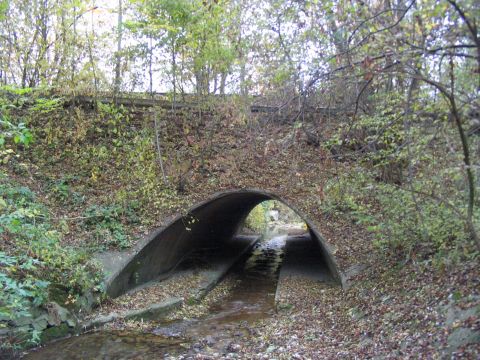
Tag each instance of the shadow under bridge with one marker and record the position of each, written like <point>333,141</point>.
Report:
<point>216,220</point>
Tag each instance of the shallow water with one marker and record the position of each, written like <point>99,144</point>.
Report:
<point>109,345</point>
<point>252,299</point>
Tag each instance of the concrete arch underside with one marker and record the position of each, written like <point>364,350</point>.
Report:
<point>212,221</point>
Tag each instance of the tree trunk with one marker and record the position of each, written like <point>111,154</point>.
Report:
<point>223,81</point>
<point>118,61</point>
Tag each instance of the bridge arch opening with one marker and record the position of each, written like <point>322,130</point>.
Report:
<point>216,220</point>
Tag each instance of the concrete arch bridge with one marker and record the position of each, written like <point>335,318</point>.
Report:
<point>206,224</point>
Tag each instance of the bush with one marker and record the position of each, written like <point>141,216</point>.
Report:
<point>424,227</point>
<point>106,225</point>
<point>34,265</point>
<point>12,135</point>
<point>400,225</point>
<point>21,290</point>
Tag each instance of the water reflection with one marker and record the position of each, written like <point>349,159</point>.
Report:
<point>110,345</point>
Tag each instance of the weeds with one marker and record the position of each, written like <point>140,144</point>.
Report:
<point>106,227</point>
<point>33,262</point>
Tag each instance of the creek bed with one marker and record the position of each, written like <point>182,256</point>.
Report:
<point>223,323</point>
<point>252,298</point>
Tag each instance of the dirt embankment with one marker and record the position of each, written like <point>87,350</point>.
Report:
<point>390,310</point>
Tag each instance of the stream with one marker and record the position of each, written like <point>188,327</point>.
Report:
<point>218,333</point>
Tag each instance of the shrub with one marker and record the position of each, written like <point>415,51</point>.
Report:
<point>34,265</point>
<point>20,289</point>
<point>106,225</point>
<point>401,224</point>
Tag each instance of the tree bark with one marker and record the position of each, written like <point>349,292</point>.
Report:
<point>118,61</point>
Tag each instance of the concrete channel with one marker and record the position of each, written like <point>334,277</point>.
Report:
<point>219,261</point>
<point>302,260</point>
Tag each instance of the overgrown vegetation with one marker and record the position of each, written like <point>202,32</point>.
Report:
<point>405,223</point>
<point>104,224</point>
<point>368,111</point>
<point>405,184</point>
<point>34,266</point>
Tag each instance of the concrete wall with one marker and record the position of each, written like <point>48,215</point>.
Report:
<point>209,223</point>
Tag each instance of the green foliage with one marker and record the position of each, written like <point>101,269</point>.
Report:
<point>20,289</point>
<point>45,106</point>
<point>194,32</point>
<point>257,219</point>
<point>16,90</point>
<point>19,211</point>
<point>376,137</point>
<point>3,8</point>
<point>349,195</point>
<point>105,223</point>
<point>14,133</point>
<point>34,264</point>
<point>63,192</point>
<point>103,148</point>
<point>24,223</point>
<point>402,224</point>
<point>141,171</point>
<point>114,122</point>
<point>403,227</point>
<point>11,133</point>
<point>405,187</point>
